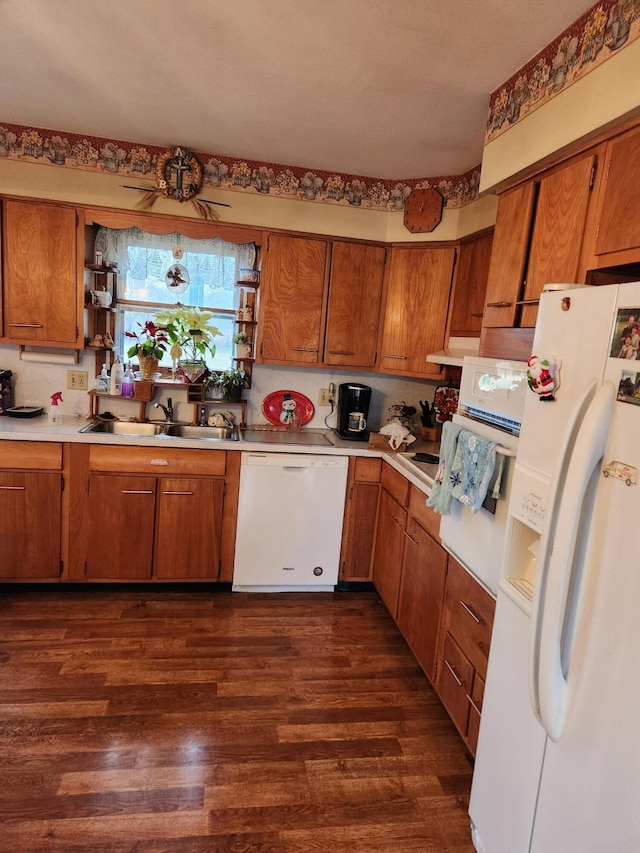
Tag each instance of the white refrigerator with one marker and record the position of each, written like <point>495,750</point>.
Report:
<point>558,761</point>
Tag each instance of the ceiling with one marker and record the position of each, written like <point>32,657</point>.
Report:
<point>393,89</point>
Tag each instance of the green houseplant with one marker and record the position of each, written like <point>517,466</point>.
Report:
<point>151,344</point>
<point>243,344</point>
<point>192,338</point>
<point>230,383</point>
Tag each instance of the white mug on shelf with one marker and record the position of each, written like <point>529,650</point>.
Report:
<point>101,298</point>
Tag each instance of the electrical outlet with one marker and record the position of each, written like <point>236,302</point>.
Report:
<point>324,397</point>
<point>78,380</point>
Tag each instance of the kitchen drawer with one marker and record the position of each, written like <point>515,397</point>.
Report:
<point>475,709</point>
<point>469,615</point>
<point>367,470</point>
<point>34,455</point>
<point>423,514</point>
<point>157,460</point>
<point>395,484</point>
<point>454,683</point>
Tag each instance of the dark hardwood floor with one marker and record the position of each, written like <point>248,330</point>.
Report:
<point>188,721</point>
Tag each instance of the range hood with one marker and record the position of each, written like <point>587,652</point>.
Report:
<point>454,353</point>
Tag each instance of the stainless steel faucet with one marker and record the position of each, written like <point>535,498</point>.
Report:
<point>168,410</point>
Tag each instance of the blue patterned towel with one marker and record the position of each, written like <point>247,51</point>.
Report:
<point>476,468</point>
<point>441,491</point>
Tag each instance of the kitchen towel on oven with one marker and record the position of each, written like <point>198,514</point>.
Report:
<point>442,489</point>
<point>477,467</point>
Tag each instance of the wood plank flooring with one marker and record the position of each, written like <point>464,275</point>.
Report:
<point>189,721</point>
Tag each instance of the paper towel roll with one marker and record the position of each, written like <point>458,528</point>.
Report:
<point>49,357</point>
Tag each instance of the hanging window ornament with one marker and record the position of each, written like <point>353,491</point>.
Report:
<point>177,251</point>
<point>177,278</point>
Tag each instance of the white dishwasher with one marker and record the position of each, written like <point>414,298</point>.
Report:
<point>290,512</point>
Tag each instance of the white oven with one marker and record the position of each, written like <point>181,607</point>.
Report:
<point>490,405</point>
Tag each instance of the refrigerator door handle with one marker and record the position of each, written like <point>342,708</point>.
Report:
<point>546,543</point>
<point>561,596</point>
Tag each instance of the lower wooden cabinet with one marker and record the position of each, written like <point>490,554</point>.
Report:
<point>156,515</point>
<point>363,486</point>
<point>424,571</point>
<point>465,638</point>
<point>410,565</point>
<point>31,511</point>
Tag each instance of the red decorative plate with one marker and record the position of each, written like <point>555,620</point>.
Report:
<point>278,408</point>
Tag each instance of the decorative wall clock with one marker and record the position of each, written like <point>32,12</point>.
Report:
<point>423,210</point>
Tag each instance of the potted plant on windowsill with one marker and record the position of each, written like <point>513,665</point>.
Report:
<point>230,384</point>
<point>151,344</point>
<point>243,344</point>
<point>191,335</point>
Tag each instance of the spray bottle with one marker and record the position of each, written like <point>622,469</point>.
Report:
<point>54,409</point>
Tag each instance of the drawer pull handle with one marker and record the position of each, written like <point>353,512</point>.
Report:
<point>396,521</point>
<point>453,672</point>
<point>12,488</point>
<point>136,492</point>
<point>340,352</point>
<point>402,357</point>
<point>158,462</point>
<point>470,611</point>
<point>26,325</point>
<point>528,302</point>
<point>499,304</point>
<point>304,349</point>
<point>474,706</point>
<point>177,493</point>
<point>411,538</point>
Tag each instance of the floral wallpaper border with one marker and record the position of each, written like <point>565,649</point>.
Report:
<point>605,28</point>
<point>135,160</point>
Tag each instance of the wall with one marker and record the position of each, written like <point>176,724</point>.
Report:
<point>608,93</point>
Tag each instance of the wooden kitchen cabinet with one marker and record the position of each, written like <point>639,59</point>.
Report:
<point>424,571</point>
<point>320,302</point>
<point>293,284</point>
<point>414,317</point>
<point>31,511</point>
<point>121,539</point>
<point>363,486</point>
<point>157,514</point>
<point>470,285</point>
<point>465,639</point>
<point>353,311</point>
<point>410,565</point>
<point>538,239</point>
<point>40,292</point>
<point>617,239</point>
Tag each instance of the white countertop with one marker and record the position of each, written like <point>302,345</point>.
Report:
<point>39,429</point>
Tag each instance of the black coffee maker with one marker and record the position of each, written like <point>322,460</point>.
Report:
<point>353,411</point>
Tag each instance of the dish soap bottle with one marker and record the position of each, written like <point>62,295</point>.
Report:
<point>54,410</point>
<point>128,383</point>
<point>115,382</point>
<point>102,382</point>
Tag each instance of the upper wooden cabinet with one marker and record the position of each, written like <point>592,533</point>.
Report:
<point>320,302</point>
<point>537,239</point>
<point>415,313</point>
<point>618,222</point>
<point>470,285</point>
<point>294,278</point>
<point>40,274</point>
<point>353,312</point>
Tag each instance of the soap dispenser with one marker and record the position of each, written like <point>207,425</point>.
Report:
<point>102,382</point>
<point>128,383</point>
<point>115,383</point>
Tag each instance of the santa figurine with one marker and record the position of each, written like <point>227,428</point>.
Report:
<point>542,376</point>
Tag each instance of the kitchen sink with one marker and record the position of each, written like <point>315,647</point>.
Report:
<point>160,429</point>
